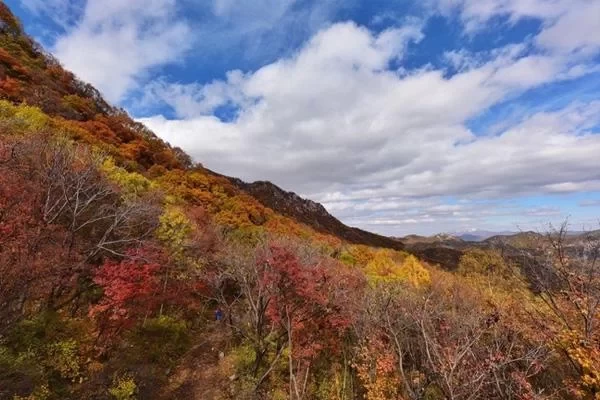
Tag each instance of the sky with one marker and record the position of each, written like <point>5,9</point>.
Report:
<point>399,116</point>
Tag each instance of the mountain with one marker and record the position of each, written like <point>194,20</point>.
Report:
<point>116,249</point>
<point>29,74</point>
<point>517,240</point>
<point>312,214</point>
<point>479,235</point>
<point>127,271</point>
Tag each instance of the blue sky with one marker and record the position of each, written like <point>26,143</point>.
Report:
<point>400,116</point>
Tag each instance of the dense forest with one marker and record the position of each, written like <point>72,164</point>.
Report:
<point>127,271</point>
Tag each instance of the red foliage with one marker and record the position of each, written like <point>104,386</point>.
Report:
<point>313,301</point>
<point>131,289</point>
<point>36,267</point>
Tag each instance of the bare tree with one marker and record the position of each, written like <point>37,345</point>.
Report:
<point>569,287</point>
<point>448,343</point>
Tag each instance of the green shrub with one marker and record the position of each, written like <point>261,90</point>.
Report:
<point>63,358</point>
<point>45,349</point>
<point>123,388</point>
<point>244,357</point>
<point>162,340</point>
<point>347,258</point>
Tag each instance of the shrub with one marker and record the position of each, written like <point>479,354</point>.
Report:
<point>162,340</point>
<point>123,388</point>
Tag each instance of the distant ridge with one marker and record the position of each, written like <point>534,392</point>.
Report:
<point>312,214</point>
<point>480,235</point>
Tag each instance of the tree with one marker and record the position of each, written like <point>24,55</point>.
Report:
<point>236,283</point>
<point>33,260</point>
<point>443,341</point>
<point>60,216</point>
<point>130,290</point>
<point>569,289</point>
<point>312,302</point>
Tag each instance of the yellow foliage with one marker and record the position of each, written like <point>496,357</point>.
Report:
<point>124,388</point>
<point>385,266</point>
<point>23,118</point>
<point>199,180</point>
<point>413,272</point>
<point>174,230</point>
<point>487,270</point>
<point>132,183</point>
<point>586,356</point>
<point>63,358</point>
<point>483,262</point>
<point>360,254</point>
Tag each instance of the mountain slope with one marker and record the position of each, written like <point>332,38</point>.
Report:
<point>128,272</point>
<point>30,75</point>
<point>312,214</point>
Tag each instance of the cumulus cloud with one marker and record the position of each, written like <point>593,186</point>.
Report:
<point>341,119</point>
<point>337,122</point>
<point>115,43</point>
<point>568,26</point>
<point>336,114</point>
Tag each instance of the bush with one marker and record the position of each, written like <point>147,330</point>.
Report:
<point>243,357</point>
<point>123,388</point>
<point>162,340</point>
<point>63,358</point>
<point>22,118</point>
<point>44,350</point>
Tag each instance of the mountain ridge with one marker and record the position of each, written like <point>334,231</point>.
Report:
<point>28,74</point>
<point>312,214</point>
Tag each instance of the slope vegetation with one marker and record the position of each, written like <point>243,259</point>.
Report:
<point>128,272</point>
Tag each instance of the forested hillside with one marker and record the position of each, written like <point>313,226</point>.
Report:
<point>129,272</point>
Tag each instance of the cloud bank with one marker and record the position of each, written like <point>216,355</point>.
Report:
<point>344,120</point>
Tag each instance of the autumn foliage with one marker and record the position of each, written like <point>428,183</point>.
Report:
<point>116,250</point>
<point>130,290</point>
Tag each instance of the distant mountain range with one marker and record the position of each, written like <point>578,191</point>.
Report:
<point>466,236</point>
<point>446,249</point>
<point>479,235</point>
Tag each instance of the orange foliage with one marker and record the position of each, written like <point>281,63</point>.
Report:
<point>375,367</point>
<point>10,88</point>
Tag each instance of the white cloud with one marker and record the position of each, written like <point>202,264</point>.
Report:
<point>577,30</point>
<point>475,13</point>
<point>568,26</point>
<point>336,123</point>
<point>115,43</point>
<point>63,12</point>
<point>339,120</point>
<point>590,203</point>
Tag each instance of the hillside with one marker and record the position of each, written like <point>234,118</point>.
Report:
<point>312,214</point>
<point>30,75</point>
<point>117,229</point>
<point>128,272</point>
